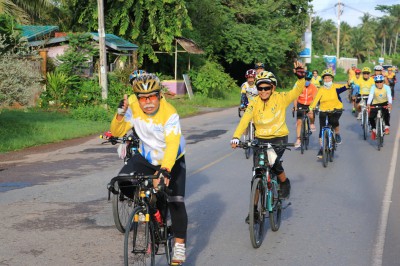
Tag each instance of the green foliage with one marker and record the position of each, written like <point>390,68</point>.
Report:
<point>18,82</point>
<point>116,91</point>
<point>211,81</point>
<point>78,56</point>
<point>91,113</point>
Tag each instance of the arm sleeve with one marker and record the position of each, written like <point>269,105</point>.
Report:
<point>119,128</point>
<point>316,99</point>
<point>296,91</point>
<point>371,95</point>
<point>341,89</point>
<point>389,94</point>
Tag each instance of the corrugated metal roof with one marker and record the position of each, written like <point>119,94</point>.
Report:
<point>32,33</point>
<point>189,45</point>
<point>116,42</point>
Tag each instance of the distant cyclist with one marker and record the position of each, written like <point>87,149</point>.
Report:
<point>302,102</point>
<point>354,83</point>
<point>390,79</point>
<point>378,70</point>
<point>329,100</point>
<point>259,67</point>
<point>316,79</point>
<point>380,95</point>
<point>364,87</point>
<point>248,89</point>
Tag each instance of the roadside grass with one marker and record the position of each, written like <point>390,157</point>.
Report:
<point>32,127</point>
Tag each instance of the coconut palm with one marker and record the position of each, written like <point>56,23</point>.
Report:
<point>327,35</point>
<point>345,36</point>
<point>24,10</point>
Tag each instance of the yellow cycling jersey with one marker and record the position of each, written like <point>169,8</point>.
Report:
<point>365,85</point>
<point>390,76</point>
<point>328,98</point>
<point>250,91</point>
<point>316,81</point>
<point>269,117</point>
<point>161,141</point>
<point>378,96</point>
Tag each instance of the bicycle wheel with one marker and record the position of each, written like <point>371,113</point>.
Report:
<point>379,133</point>
<point>276,204</point>
<point>256,213</point>
<point>139,246</point>
<point>307,132</point>
<point>247,151</point>
<point>365,124</point>
<point>303,136</point>
<point>333,147</point>
<point>325,148</point>
<point>122,207</point>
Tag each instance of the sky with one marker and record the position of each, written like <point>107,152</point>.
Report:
<point>352,10</point>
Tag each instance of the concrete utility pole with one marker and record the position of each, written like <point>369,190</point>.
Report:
<point>339,12</point>
<point>103,54</point>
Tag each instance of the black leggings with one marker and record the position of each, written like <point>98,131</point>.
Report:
<point>176,203</point>
<point>333,120</point>
<point>374,112</point>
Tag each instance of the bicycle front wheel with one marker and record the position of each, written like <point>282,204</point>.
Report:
<point>276,206</point>
<point>122,207</point>
<point>365,124</point>
<point>257,213</point>
<point>303,136</point>
<point>139,246</point>
<point>379,133</point>
<point>325,148</point>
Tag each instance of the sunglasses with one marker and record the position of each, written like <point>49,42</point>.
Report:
<point>268,88</point>
<point>378,81</point>
<point>365,73</point>
<point>152,97</point>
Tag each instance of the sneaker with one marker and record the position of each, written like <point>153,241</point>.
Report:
<point>387,131</point>
<point>373,134</point>
<point>338,139</point>
<point>247,220</point>
<point>284,191</point>
<point>179,254</point>
<point>359,116</point>
<point>297,144</point>
<point>319,155</point>
<point>312,127</point>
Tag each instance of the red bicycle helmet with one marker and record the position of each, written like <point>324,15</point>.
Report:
<point>250,73</point>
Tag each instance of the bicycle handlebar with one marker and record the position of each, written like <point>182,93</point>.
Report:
<point>254,143</point>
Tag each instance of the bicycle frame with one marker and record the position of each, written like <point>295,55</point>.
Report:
<point>331,133</point>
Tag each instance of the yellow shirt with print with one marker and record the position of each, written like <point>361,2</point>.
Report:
<point>316,81</point>
<point>365,85</point>
<point>328,98</point>
<point>161,141</point>
<point>269,117</point>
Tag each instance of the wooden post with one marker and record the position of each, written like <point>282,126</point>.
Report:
<point>43,66</point>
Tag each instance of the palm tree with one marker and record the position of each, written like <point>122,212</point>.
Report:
<point>24,10</point>
<point>345,36</point>
<point>327,36</point>
<point>383,32</point>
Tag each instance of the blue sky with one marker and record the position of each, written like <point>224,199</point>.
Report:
<point>352,9</point>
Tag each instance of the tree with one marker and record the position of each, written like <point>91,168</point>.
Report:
<point>24,10</point>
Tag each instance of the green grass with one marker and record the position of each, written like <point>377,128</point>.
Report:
<point>26,128</point>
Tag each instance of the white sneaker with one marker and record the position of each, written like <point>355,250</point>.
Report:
<point>297,144</point>
<point>359,116</point>
<point>179,254</point>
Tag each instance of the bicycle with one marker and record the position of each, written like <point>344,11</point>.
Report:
<point>264,192</point>
<point>328,139</point>
<point>305,131</point>
<point>380,125</point>
<point>149,225</point>
<point>364,116</point>
<point>249,135</point>
<point>122,205</point>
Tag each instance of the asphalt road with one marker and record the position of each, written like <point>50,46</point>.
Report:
<point>54,208</point>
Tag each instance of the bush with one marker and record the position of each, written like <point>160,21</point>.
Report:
<point>18,82</point>
<point>211,81</point>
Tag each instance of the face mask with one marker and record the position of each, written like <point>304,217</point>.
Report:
<point>307,83</point>
<point>328,84</point>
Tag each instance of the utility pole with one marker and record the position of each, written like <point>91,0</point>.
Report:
<point>103,54</point>
<point>339,12</point>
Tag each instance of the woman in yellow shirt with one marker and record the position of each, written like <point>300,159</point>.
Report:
<point>329,100</point>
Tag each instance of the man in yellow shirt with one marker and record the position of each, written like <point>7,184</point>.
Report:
<point>390,79</point>
<point>161,148</point>
<point>329,100</point>
<point>365,83</point>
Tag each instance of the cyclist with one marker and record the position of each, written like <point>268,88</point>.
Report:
<point>329,99</point>
<point>380,95</point>
<point>249,89</point>
<point>304,100</point>
<point>364,86</point>
<point>378,70</point>
<point>316,80</point>
<point>352,72</point>
<point>354,86</point>
<point>259,67</point>
<point>162,148</point>
<point>390,79</point>
<point>268,112</point>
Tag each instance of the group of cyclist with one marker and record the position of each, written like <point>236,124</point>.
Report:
<point>373,90</point>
